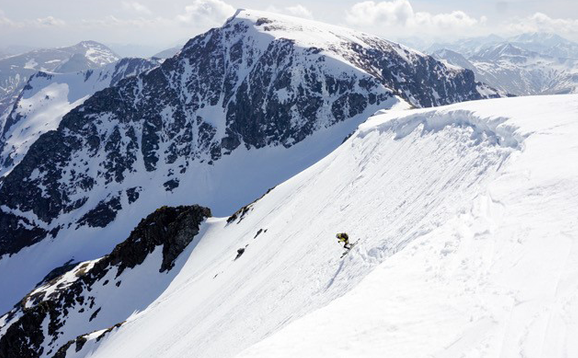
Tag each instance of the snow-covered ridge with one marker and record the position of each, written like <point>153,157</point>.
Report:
<point>496,279</point>
<point>494,130</point>
<point>441,208</point>
<point>334,41</point>
<point>16,70</point>
<point>306,33</point>
<point>237,111</point>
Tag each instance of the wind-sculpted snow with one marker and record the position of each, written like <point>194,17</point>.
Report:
<point>238,110</point>
<point>392,183</point>
<point>493,130</point>
<point>497,278</point>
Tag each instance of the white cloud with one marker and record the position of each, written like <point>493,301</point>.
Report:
<point>540,22</point>
<point>5,21</point>
<point>49,21</point>
<point>112,21</point>
<point>299,11</point>
<point>136,7</point>
<point>295,10</point>
<point>453,20</point>
<point>385,13</point>
<point>400,15</point>
<point>206,12</point>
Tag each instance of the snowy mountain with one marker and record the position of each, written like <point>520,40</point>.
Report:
<point>15,70</point>
<point>238,110</point>
<point>516,70</point>
<point>468,46</point>
<point>49,96</point>
<point>548,44</point>
<point>465,216</point>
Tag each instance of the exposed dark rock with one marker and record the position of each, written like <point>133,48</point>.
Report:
<point>240,252</point>
<point>102,214</point>
<point>241,213</point>
<point>220,93</point>
<point>57,272</point>
<point>173,228</point>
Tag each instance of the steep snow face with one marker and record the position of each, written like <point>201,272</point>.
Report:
<point>498,278</point>
<point>49,96</point>
<point>444,203</point>
<point>238,110</point>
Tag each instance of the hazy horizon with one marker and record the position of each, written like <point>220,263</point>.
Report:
<point>144,27</point>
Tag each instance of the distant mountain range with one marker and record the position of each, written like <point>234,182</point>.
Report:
<point>15,70</point>
<point>523,65</point>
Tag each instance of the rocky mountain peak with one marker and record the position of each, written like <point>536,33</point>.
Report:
<point>201,124</point>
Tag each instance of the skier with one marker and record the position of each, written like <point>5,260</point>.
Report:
<point>343,237</point>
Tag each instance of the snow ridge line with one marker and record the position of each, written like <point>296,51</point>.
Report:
<point>494,130</point>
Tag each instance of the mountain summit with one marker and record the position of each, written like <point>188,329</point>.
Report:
<point>238,110</point>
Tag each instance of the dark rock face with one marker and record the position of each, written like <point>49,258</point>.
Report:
<point>79,85</point>
<point>173,228</point>
<point>232,87</point>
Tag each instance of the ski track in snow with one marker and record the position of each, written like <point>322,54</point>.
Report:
<point>466,220</point>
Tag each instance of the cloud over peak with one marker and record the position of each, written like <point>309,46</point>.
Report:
<point>210,12</point>
<point>400,14</point>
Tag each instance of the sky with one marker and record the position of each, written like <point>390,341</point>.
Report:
<point>143,27</point>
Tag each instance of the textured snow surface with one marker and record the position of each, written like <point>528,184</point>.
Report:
<point>499,279</point>
<point>466,216</point>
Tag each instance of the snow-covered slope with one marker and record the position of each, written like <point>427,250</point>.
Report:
<point>47,97</point>
<point>498,279</point>
<point>101,293</point>
<point>238,110</point>
<point>466,221</point>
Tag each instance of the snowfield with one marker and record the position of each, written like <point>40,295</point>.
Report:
<point>467,221</point>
